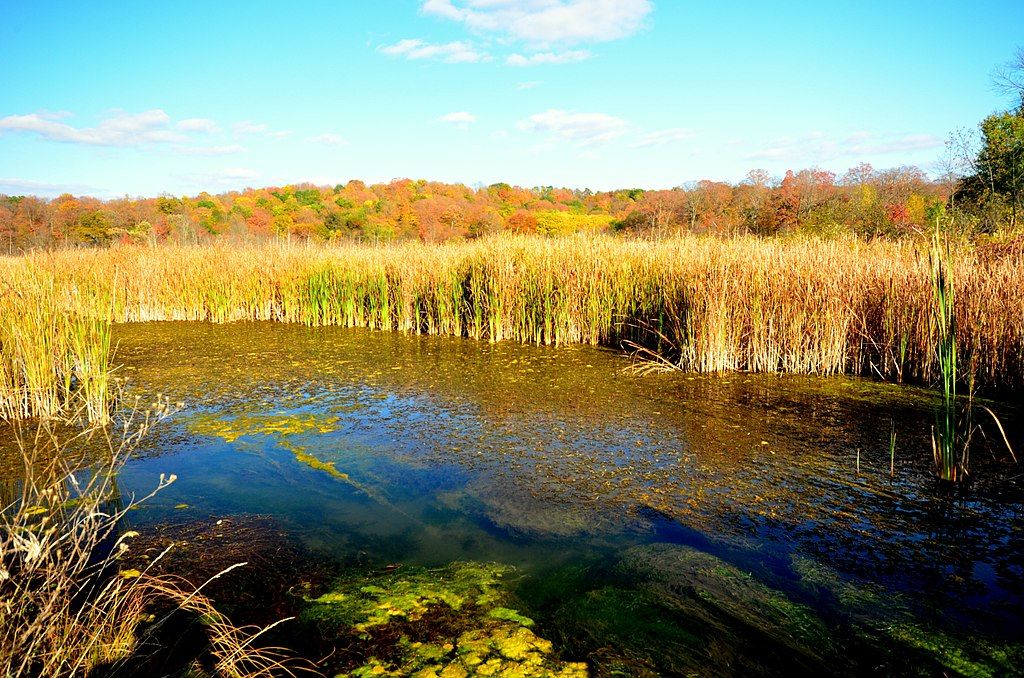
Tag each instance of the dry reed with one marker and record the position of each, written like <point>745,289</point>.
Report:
<point>705,304</point>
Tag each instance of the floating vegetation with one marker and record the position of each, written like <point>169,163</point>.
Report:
<point>309,460</point>
<point>231,428</point>
<point>450,622</point>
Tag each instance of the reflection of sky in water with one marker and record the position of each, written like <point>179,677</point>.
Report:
<point>454,449</point>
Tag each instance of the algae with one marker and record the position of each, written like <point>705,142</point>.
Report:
<point>877,620</point>
<point>670,609</point>
<point>972,657</point>
<point>452,621</point>
<point>281,427</point>
<point>231,429</point>
<point>680,572</point>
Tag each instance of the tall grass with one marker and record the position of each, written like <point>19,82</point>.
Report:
<point>705,304</point>
<point>68,605</point>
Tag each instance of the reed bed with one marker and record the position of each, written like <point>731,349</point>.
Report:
<point>699,303</point>
<point>55,349</point>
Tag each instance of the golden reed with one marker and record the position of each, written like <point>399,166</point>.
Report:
<point>706,304</point>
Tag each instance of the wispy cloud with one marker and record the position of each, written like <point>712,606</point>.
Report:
<point>542,23</point>
<point>248,127</point>
<point>585,129</point>
<point>821,147</point>
<point>541,58</point>
<point>528,85</point>
<point>663,137</point>
<point>204,125</point>
<point>449,52</point>
<point>461,119</point>
<point>118,129</point>
<point>329,139</point>
<point>226,149</point>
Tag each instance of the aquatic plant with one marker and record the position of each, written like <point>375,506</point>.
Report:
<point>69,604</point>
<point>949,448</point>
<point>885,624</point>
<point>451,621</point>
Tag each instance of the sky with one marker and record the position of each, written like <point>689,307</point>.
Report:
<point>146,98</point>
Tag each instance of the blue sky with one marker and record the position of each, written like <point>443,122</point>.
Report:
<point>110,99</point>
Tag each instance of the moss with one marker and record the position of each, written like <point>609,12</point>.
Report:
<point>448,622</point>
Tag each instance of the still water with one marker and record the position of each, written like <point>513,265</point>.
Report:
<point>659,524</point>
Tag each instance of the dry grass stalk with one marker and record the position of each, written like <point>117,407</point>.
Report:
<point>67,606</point>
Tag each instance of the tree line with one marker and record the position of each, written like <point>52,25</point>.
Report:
<point>980,190</point>
<point>864,201</point>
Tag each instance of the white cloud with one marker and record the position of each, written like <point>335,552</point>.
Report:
<point>547,22</point>
<point>248,127</point>
<point>584,128</point>
<point>449,52</point>
<point>198,125</point>
<point>821,147</point>
<point>461,119</point>
<point>662,137</point>
<point>528,85</point>
<point>548,58</point>
<point>119,129</point>
<point>329,139</point>
<point>227,149</point>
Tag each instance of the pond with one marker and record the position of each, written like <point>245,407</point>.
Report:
<point>659,524</point>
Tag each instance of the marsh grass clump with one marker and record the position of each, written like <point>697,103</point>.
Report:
<point>68,604</point>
